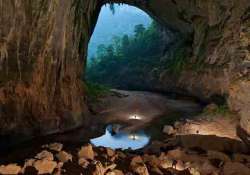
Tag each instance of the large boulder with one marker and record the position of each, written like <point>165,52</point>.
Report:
<point>46,155</point>
<point>86,152</point>
<point>63,156</point>
<point>140,169</point>
<point>11,169</point>
<point>45,166</point>
<point>83,162</point>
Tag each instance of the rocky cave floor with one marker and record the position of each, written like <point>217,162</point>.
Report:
<point>158,158</point>
<point>203,145</point>
<point>174,154</point>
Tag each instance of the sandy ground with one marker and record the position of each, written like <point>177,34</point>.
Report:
<point>142,107</point>
<point>219,126</point>
<point>139,108</point>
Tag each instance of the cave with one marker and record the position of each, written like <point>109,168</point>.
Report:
<point>43,51</point>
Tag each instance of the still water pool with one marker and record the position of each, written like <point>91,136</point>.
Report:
<point>121,139</point>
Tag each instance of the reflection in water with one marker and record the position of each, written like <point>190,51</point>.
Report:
<point>133,137</point>
<point>121,139</point>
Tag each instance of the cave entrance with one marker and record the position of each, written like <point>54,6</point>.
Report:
<point>126,56</point>
<point>125,49</point>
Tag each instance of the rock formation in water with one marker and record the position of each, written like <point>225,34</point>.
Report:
<point>43,46</point>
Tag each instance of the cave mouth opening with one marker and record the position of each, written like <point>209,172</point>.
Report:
<point>126,49</point>
<point>137,55</point>
<point>127,52</point>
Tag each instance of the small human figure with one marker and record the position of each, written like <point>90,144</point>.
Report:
<point>174,163</point>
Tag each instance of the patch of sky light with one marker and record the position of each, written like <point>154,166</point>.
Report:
<point>111,24</point>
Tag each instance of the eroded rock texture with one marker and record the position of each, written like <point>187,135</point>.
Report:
<point>43,47</point>
<point>42,55</point>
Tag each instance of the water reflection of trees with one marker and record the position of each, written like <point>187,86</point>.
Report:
<point>117,133</point>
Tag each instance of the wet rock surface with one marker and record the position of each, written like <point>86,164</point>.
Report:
<point>169,159</point>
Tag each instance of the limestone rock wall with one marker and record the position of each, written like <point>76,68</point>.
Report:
<point>42,55</point>
<point>43,46</point>
<point>221,52</point>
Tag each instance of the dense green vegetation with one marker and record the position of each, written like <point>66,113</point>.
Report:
<point>136,61</point>
<point>128,60</point>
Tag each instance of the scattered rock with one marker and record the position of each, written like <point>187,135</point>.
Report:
<point>136,160</point>
<point>167,163</point>
<point>115,172</point>
<point>64,156</point>
<point>141,169</point>
<point>194,171</point>
<point>138,166</point>
<point>83,162</point>
<point>110,152</point>
<point>235,168</point>
<point>151,160</point>
<point>10,169</point>
<point>45,155</point>
<point>110,173</point>
<point>179,165</point>
<point>86,152</point>
<point>110,167</point>
<point>112,159</point>
<point>99,169</point>
<point>55,147</point>
<point>169,130</point>
<point>45,166</point>
<point>175,160</point>
<point>121,154</point>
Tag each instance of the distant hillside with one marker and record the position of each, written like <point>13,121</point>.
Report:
<point>121,22</point>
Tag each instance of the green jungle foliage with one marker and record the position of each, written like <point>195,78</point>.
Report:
<point>128,60</point>
<point>135,62</point>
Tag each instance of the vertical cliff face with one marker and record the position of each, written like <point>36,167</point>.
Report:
<point>43,46</point>
<point>42,56</point>
<point>220,59</point>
